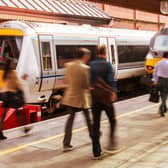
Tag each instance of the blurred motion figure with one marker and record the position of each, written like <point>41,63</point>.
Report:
<point>160,79</point>
<point>12,92</point>
<point>77,94</point>
<point>100,68</point>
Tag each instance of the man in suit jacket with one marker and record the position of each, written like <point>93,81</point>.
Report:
<point>77,94</point>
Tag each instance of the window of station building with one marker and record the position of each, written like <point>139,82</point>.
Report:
<point>46,56</point>
<point>67,53</point>
<point>128,54</point>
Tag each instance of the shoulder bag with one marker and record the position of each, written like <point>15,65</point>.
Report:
<point>102,92</point>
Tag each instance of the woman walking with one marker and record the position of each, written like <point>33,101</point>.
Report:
<point>12,94</point>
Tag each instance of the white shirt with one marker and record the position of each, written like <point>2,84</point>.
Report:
<point>161,70</point>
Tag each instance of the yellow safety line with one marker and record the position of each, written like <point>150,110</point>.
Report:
<point>11,150</point>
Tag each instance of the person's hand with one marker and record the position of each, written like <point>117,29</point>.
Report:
<point>154,84</point>
<point>113,96</point>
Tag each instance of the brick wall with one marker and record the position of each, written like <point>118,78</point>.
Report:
<point>131,18</point>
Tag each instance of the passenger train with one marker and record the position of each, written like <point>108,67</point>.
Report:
<point>42,49</point>
<point>158,45</point>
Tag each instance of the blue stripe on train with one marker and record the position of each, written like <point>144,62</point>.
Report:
<point>55,76</point>
<point>51,76</point>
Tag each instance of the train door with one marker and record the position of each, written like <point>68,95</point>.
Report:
<point>113,53</point>
<point>111,47</point>
<point>47,62</point>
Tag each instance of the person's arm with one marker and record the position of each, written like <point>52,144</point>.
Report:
<point>155,74</point>
<point>17,80</point>
<point>86,79</point>
<point>110,77</point>
<point>66,75</point>
<point>92,73</point>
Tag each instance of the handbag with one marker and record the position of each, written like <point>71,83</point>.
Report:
<point>102,92</point>
<point>154,95</point>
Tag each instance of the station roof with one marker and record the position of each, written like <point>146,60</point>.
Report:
<point>144,5</point>
<point>59,8</point>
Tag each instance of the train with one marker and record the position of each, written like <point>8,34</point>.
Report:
<point>158,45</point>
<point>42,49</point>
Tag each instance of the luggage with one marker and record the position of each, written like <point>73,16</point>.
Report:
<point>102,92</point>
<point>154,95</point>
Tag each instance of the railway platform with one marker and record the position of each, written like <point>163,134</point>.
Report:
<point>142,135</point>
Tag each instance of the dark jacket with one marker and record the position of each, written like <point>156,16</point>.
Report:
<point>108,72</point>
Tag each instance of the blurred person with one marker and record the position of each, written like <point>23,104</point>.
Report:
<point>77,94</point>
<point>101,68</point>
<point>12,93</point>
<point>160,79</point>
<point>26,91</point>
<point>25,87</point>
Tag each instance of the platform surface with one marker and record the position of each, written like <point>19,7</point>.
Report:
<point>142,135</point>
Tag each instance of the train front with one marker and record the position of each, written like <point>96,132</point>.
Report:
<point>10,46</point>
<point>158,45</point>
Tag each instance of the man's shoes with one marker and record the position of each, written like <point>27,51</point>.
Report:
<point>68,148</point>
<point>101,156</point>
<point>162,110</point>
<point>112,150</point>
<point>2,137</point>
<point>162,114</point>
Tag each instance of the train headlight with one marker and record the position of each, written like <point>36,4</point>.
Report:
<point>149,68</point>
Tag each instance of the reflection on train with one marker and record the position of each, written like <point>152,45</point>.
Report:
<point>42,49</point>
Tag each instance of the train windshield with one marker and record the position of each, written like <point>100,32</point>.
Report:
<point>10,46</point>
<point>161,43</point>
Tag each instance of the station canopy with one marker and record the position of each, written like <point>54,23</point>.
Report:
<point>59,8</point>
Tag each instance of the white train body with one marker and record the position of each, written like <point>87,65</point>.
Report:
<point>44,48</point>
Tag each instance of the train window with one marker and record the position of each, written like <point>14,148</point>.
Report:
<point>46,56</point>
<point>67,53</point>
<point>130,53</point>
<point>10,47</point>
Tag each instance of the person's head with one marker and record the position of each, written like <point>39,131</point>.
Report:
<point>101,51</point>
<point>84,55</point>
<point>165,55</point>
<point>10,65</point>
